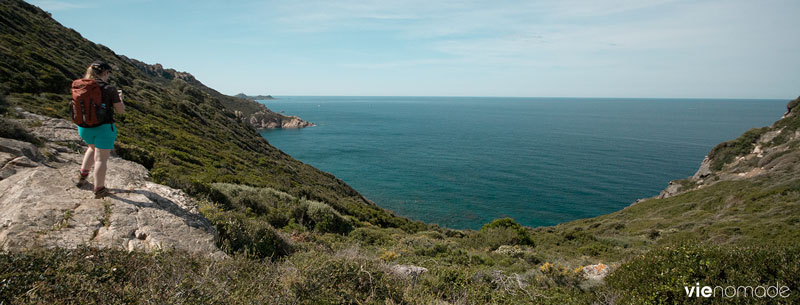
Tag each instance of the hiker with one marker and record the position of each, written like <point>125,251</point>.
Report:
<point>91,109</point>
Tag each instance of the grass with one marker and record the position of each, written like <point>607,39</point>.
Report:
<point>659,276</point>
<point>352,275</point>
<point>64,222</point>
<point>345,276</point>
<point>106,213</point>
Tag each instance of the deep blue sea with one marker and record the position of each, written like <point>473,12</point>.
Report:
<point>462,162</point>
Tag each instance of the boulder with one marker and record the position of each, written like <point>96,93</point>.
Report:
<point>704,170</point>
<point>595,272</point>
<point>672,189</point>
<point>52,129</point>
<point>408,271</point>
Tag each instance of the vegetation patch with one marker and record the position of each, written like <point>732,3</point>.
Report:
<point>726,152</point>
<point>659,277</point>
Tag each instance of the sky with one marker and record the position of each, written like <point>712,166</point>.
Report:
<point>545,48</point>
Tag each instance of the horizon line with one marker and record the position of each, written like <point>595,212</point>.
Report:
<point>536,97</point>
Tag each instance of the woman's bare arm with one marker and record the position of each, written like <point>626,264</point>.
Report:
<point>119,107</point>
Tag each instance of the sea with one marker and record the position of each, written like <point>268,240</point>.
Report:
<point>461,162</point>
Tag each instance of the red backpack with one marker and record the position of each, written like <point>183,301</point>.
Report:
<point>87,108</point>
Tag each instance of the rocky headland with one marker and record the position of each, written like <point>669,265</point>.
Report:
<point>255,97</point>
<point>267,119</point>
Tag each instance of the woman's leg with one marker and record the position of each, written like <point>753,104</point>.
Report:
<point>88,159</point>
<point>100,166</point>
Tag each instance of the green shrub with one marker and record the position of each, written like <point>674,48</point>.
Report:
<point>370,236</point>
<point>432,234</point>
<point>514,232</point>
<point>326,219</point>
<point>135,154</point>
<point>725,152</point>
<point>578,235</point>
<point>659,276</point>
<point>593,249</point>
<point>241,234</point>
<point>341,279</point>
<point>107,276</point>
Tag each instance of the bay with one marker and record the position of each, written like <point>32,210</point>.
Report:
<point>461,162</point>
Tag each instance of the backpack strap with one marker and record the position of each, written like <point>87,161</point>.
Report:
<point>108,101</point>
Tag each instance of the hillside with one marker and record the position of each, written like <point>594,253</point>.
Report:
<point>186,134</point>
<point>295,235</point>
<point>746,193</point>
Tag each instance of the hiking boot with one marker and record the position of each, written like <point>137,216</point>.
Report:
<point>101,193</point>
<point>81,180</point>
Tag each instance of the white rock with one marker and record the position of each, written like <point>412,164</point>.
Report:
<point>41,207</point>
<point>595,272</point>
<point>408,271</point>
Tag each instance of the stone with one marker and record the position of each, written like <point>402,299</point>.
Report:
<point>513,251</point>
<point>769,136</point>
<point>672,189</point>
<point>595,272</point>
<point>408,271</point>
<point>704,170</point>
<point>17,148</point>
<point>53,129</point>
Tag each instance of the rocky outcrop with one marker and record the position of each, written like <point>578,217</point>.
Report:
<point>157,70</point>
<point>766,150</point>
<point>266,119</point>
<point>595,272</point>
<point>672,189</point>
<point>41,207</point>
<point>257,97</point>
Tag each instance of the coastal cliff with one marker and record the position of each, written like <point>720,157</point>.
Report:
<point>267,119</point>
<point>260,117</point>
<point>758,152</point>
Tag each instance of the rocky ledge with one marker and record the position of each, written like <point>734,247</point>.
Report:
<point>41,207</point>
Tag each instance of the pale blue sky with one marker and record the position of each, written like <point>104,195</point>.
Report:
<point>567,48</point>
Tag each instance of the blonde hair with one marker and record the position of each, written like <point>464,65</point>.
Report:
<point>93,72</point>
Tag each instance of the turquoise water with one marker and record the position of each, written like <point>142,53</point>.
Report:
<point>461,162</point>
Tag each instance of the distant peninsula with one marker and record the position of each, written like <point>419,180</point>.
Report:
<point>257,97</point>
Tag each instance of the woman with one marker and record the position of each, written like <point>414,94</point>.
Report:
<point>100,138</point>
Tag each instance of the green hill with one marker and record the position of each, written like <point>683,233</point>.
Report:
<point>186,133</point>
<point>297,235</point>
